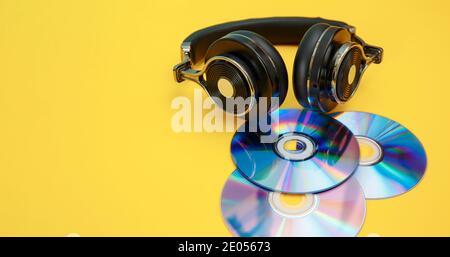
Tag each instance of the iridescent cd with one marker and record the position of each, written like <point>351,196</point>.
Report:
<point>249,210</point>
<point>392,159</point>
<point>306,152</point>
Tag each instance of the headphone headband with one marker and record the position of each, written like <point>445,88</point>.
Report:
<point>278,30</point>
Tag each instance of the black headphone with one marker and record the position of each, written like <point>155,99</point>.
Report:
<point>329,63</point>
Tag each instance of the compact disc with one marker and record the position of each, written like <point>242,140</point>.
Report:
<point>306,152</point>
<point>392,159</point>
<point>249,210</point>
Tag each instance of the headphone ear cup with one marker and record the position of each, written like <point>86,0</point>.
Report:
<point>302,63</point>
<point>261,55</point>
<point>273,61</point>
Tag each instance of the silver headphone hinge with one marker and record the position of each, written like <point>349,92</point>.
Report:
<point>186,51</point>
<point>185,64</point>
<point>180,68</point>
<point>374,53</point>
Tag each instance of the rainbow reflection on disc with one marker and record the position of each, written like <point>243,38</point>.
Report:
<point>396,161</point>
<point>326,153</point>
<point>249,210</point>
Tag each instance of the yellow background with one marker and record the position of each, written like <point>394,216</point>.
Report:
<point>85,90</point>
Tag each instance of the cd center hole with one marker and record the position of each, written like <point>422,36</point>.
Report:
<point>294,145</point>
<point>293,205</point>
<point>370,152</point>
<point>225,87</point>
<point>291,200</point>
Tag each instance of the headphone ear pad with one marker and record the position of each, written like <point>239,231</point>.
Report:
<point>302,63</point>
<point>269,56</point>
